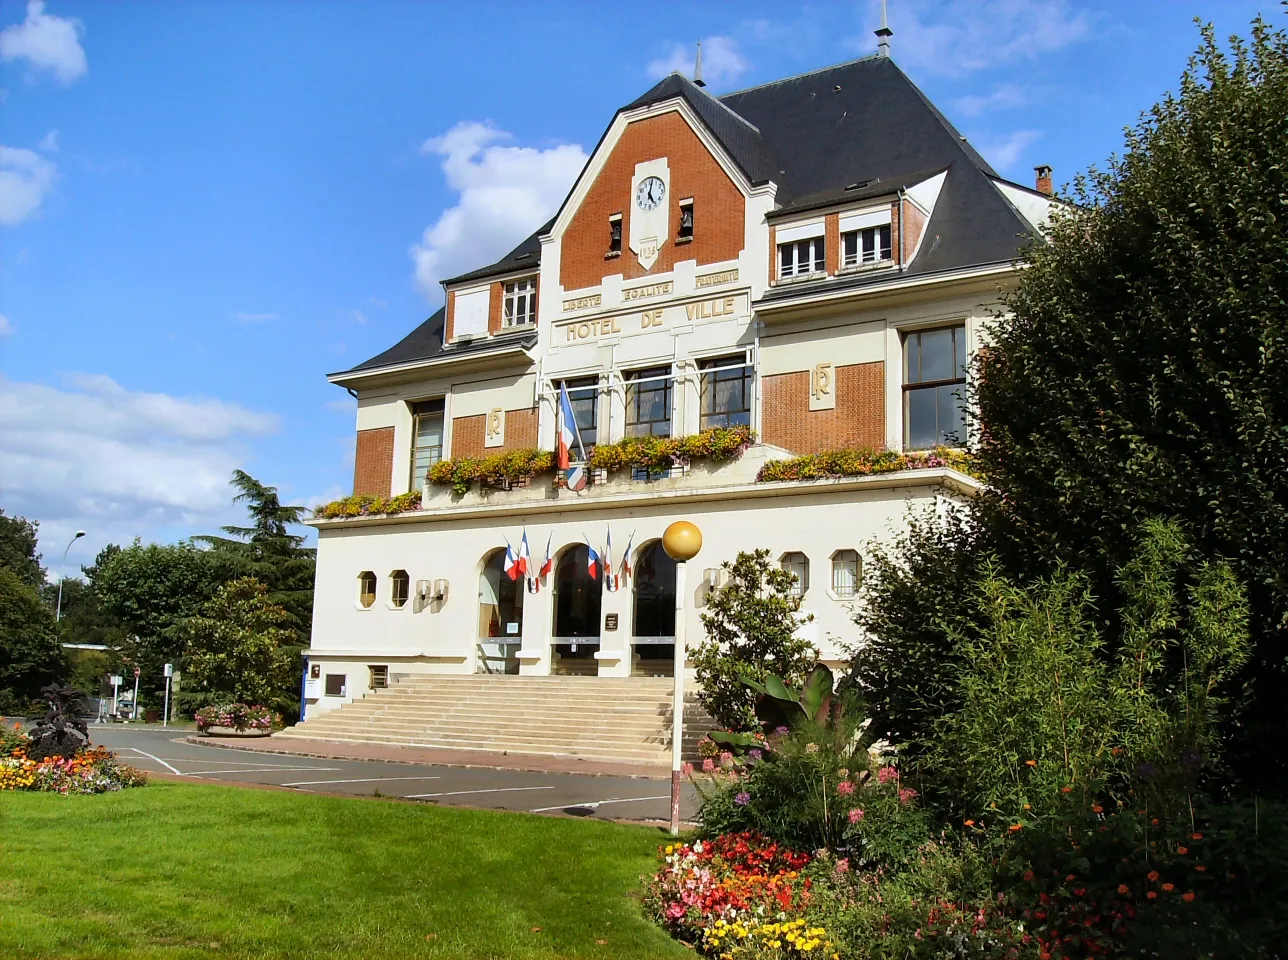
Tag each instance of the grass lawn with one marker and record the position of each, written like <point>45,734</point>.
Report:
<point>186,870</point>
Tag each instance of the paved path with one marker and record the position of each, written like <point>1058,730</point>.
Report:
<point>604,795</point>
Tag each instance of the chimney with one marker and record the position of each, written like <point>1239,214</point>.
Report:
<point>884,33</point>
<point>1044,180</point>
<point>697,68</point>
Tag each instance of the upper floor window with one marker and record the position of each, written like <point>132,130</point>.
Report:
<point>797,564</point>
<point>427,439</point>
<point>583,394</point>
<point>520,303</point>
<point>869,245</point>
<point>934,388</point>
<point>686,221</point>
<point>615,235</point>
<point>800,257</point>
<point>648,402</point>
<point>366,589</point>
<point>845,573</point>
<point>399,588</point>
<point>379,676</point>
<point>726,392</point>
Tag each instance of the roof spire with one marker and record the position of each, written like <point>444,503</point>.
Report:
<point>697,68</point>
<point>883,34</point>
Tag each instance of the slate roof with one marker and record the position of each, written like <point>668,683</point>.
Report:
<point>426,343</point>
<point>815,135</point>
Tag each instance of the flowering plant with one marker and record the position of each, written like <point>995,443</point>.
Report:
<point>96,770</point>
<point>234,716</point>
<point>862,462</point>
<point>365,505</point>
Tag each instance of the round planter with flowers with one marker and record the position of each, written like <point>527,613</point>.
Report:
<point>234,720</point>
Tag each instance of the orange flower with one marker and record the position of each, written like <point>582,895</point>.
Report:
<point>1196,836</point>
<point>1123,888</point>
<point>1154,822</point>
<point>1151,895</point>
<point>1152,876</point>
<point>1200,868</point>
<point>1188,896</point>
<point>1027,807</point>
<point>1182,850</point>
<point>1030,763</point>
<point>1066,789</point>
<point>1070,878</point>
<point>1014,828</point>
<point>1097,808</point>
<point>1028,876</point>
<point>970,823</point>
<point>1169,887</point>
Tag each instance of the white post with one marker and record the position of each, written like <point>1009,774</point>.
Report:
<point>116,689</point>
<point>135,715</point>
<point>165,717</point>
<point>677,698</point>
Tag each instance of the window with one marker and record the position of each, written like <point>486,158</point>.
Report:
<point>520,303</point>
<point>726,392</point>
<point>427,439</point>
<point>648,402</point>
<point>366,588</point>
<point>615,235</point>
<point>379,677</point>
<point>845,573</point>
<point>399,588</point>
<point>800,258</point>
<point>797,564</point>
<point>934,385</point>
<point>335,684</point>
<point>583,394</point>
<point>871,245</point>
<point>500,601</point>
<point>686,221</point>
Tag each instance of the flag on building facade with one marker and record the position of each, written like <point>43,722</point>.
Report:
<point>570,442</point>
<point>592,561</point>
<point>609,580</point>
<point>525,557</point>
<point>626,559</point>
<point>511,562</point>
<point>549,564</point>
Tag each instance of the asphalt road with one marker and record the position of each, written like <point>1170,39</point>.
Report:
<point>567,794</point>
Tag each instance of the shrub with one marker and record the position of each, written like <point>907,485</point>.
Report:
<point>60,731</point>
<point>861,462</point>
<point>751,626</point>
<point>234,716</point>
<point>12,740</point>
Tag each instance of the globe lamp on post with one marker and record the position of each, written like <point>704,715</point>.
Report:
<point>681,541</point>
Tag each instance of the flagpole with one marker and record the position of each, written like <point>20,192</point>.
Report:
<point>681,541</point>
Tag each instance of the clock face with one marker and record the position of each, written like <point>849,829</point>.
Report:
<point>649,193</point>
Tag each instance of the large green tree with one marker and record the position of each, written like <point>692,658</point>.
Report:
<point>268,551</point>
<point>18,549</point>
<point>30,655</point>
<point>1142,371</point>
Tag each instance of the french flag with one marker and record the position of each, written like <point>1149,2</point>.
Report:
<point>609,580</point>
<point>525,558</point>
<point>549,565</point>
<point>626,559</point>
<point>511,562</point>
<point>574,473</point>
<point>592,562</point>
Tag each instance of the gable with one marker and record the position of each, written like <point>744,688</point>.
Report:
<point>719,206</point>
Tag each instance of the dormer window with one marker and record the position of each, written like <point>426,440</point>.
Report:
<point>800,250</point>
<point>865,239</point>
<point>685,233</point>
<point>615,235</point>
<point>520,303</point>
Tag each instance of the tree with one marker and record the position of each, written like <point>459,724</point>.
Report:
<point>267,551</point>
<point>18,549</point>
<point>150,590</point>
<point>30,655</point>
<point>751,631</point>
<point>240,647</point>
<point>1142,371</point>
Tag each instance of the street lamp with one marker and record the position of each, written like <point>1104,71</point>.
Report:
<point>58,611</point>
<point>681,541</point>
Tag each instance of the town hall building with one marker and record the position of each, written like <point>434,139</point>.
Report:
<point>811,260</point>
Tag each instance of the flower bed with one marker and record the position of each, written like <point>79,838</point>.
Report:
<point>96,770</point>
<point>235,718</point>
<point>861,462</point>
<point>365,505</point>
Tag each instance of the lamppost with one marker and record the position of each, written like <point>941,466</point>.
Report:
<point>58,611</point>
<point>681,541</point>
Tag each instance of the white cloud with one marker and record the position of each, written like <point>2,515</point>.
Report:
<point>722,61</point>
<point>1002,97</point>
<point>359,317</point>
<point>25,178</point>
<point>49,142</point>
<point>46,43</point>
<point>964,36</point>
<point>1003,152</point>
<point>505,193</point>
<point>255,317</point>
<point>6,328</point>
<point>119,463</point>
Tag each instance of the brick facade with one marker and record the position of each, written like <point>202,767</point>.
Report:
<point>858,420</point>
<point>449,317</point>
<point>469,433</point>
<point>373,462</point>
<point>719,210</point>
<point>495,303</point>
<point>832,243</point>
<point>910,228</point>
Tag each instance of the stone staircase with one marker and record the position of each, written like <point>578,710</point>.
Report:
<point>595,718</point>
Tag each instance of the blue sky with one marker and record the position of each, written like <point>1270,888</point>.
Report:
<point>206,207</point>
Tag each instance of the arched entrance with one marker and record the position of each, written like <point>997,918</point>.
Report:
<point>653,626</point>
<point>500,632</point>
<point>577,602</point>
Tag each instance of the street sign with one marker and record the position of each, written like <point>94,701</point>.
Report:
<point>136,671</point>
<point>169,669</point>
<point>116,680</point>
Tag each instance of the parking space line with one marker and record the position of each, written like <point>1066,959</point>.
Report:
<point>157,759</point>
<point>597,803</point>
<point>461,793</point>
<point>207,773</point>
<point>314,783</point>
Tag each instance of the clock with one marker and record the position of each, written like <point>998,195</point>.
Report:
<point>649,193</point>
